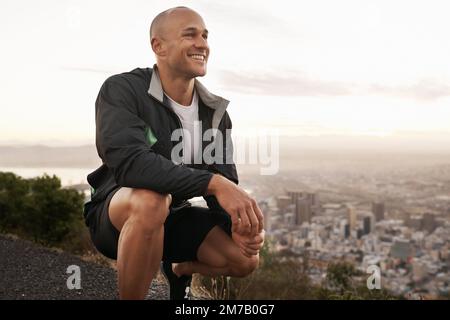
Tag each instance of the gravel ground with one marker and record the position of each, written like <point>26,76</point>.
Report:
<point>29,271</point>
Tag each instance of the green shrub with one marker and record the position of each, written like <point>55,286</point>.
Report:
<point>39,209</point>
<point>13,190</point>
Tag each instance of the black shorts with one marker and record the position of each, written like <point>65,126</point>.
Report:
<point>184,229</point>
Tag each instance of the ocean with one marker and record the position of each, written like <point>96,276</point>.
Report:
<point>68,176</point>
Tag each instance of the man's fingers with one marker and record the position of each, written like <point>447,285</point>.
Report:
<point>245,222</point>
<point>253,220</point>
<point>250,252</point>
<point>235,222</point>
<point>244,250</point>
<point>256,239</point>
<point>254,246</point>
<point>248,255</point>
<point>253,252</point>
<point>259,216</point>
<point>255,242</point>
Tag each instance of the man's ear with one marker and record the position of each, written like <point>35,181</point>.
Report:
<point>158,47</point>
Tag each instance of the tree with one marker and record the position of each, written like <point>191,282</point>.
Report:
<point>39,208</point>
<point>13,189</point>
<point>51,212</point>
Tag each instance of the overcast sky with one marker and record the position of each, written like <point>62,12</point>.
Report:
<point>357,67</point>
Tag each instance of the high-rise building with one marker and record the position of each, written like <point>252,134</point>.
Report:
<point>378,210</point>
<point>294,194</point>
<point>359,233</point>
<point>303,211</point>
<point>367,224</point>
<point>267,212</point>
<point>306,205</point>
<point>311,196</point>
<point>315,206</point>
<point>346,231</point>
<point>283,202</point>
<point>344,228</point>
<point>429,222</point>
<point>351,216</point>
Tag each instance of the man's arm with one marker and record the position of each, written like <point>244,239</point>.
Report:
<point>246,217</point>
<point>122,145</point>
<point>224,193</point>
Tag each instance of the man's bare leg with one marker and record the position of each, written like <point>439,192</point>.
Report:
<point>218,255</point>
<point>139,215</point>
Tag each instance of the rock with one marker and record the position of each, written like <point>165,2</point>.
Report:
<point>29,271</point>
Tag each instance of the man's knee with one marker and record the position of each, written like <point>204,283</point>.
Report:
<point>148,207</point>
<point>247,266</point>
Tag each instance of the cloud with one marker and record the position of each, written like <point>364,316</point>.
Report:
<point>425,89</point>
<point>280,84</point>
<point>297,83</point>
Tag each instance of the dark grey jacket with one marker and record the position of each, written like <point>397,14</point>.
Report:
<point>133,137</point>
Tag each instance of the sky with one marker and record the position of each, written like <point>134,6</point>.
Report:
<point>310,68</point>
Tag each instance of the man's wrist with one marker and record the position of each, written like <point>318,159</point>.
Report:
<point>212,185</point>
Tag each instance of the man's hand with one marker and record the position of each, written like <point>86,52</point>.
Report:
<point>249,246</point>
<point>246,217</point>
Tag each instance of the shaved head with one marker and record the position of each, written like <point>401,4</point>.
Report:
<point>179,39</point>
<point>158,28</point>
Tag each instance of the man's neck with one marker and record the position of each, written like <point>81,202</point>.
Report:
<point>179,89</point>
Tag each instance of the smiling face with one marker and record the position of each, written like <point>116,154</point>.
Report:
<point>181,43</point>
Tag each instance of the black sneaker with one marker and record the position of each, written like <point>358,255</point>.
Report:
<point>179,287</point>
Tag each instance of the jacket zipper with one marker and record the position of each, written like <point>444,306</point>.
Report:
<point>180,126</point>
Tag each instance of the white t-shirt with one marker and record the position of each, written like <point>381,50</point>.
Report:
<point>190,122</point>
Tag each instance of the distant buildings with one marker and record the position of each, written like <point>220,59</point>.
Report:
<point>303,211</point>
<point>378,210</point>
<point>402,250</point>
<point>306,205</point>
<point>289,219</point>
<point>359,233</point>
<point>429,222</point>
<point>267,212</point>
<point>294,195</point>
<point>344,229</point>
<point>351,213</point>
<point>415,222</point>
<point>410,244</point>
<point>283,202</point>
<point>367,224</point>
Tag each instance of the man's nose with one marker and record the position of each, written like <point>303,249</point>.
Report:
<point>201,42</point>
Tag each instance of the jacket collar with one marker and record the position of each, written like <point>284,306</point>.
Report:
<point>211,100</point>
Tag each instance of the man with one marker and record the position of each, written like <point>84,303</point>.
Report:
<point>138,213</point>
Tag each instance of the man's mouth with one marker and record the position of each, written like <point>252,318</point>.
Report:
<point>197,57</point>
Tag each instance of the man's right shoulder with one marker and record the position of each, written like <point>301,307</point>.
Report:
<point>134,78</point>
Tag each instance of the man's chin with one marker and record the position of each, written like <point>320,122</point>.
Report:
<point>200,73</point>
<point>197,72</point>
